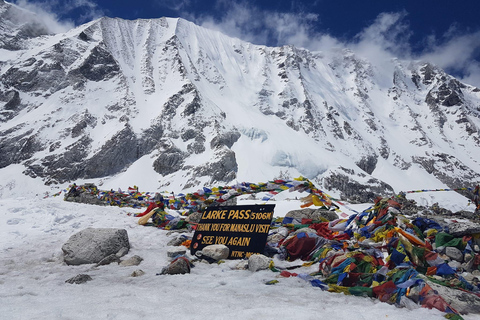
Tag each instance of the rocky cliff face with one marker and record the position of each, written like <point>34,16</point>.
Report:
<point>197,107</point>
<point>17,26</point>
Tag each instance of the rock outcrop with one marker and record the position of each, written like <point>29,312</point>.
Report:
<point>92,245</point>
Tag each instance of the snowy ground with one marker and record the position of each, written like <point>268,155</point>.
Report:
<point>32,276</point>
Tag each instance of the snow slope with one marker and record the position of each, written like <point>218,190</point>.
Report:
<point>32,276</point>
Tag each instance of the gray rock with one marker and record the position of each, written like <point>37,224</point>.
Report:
<point>327,214</point>
<point>122,252</point>
<point>177,231</point>
<point>148,141</point>
<point>216,251</point>
<point>18,148</point>
<point>225,139</point>
<point>189,134</point>
<point>108,259</point>
<point>476,241</point>
<point>242,265</point>
<point>176,251</point>
<point>169,161</point>
<point>90,70</point>
<point>132,261</point>
<point>455,265</point>
<point>178,266</point>
<point>197,146</point>
<point>258,262</point>
<point>78,279</point>
<point>275,238</point>
<point>465,214</point>
<point>282,231</point>
<point>407,303</point>
<point>137,273</point>
<point>224,168</point>
<point>70,162</point>
<point>315,214</point>
<point>194,217</point>
<point>461,301</point>
<point>462,229</point>
<point>468,263</point>
<point>352,186</point>
<point>94,244</point>
<point>468,276</point>
<point>177,240</point>
<point>230,202</point>
<point>454,253</point>
<point>117,153</point>
<point>368,163</point>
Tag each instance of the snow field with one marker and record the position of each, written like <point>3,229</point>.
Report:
<point>32,275</point>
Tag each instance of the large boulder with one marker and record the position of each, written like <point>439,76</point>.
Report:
<point>94,244</point>
<point>194,217</point>
<point>258,262</point>
<point>462,229</point>
<point>454,254</point>
<point>181,265</point>
<point>216,251</point>
<point>314,214</point>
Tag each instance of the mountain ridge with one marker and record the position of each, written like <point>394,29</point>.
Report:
<point>193,107</point>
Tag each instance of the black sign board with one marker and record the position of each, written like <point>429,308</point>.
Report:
<point>243,229</point>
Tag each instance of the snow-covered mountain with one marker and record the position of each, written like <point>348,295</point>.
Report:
<point>168,103</point>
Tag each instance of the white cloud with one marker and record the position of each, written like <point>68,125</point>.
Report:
<point>247,22</point>
<point>46,15</point>
<point>456,53</point>
<point>386,38</point>
<point>177,5</point>
<point>51,12</point>
<point>91,10</point>
<point>389,36</point>
<point>239,20</point>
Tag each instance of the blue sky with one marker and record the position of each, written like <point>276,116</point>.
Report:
<point>445,32</point>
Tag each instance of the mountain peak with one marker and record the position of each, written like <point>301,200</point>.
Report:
<point>180,105</point>
<point>18,25</point>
